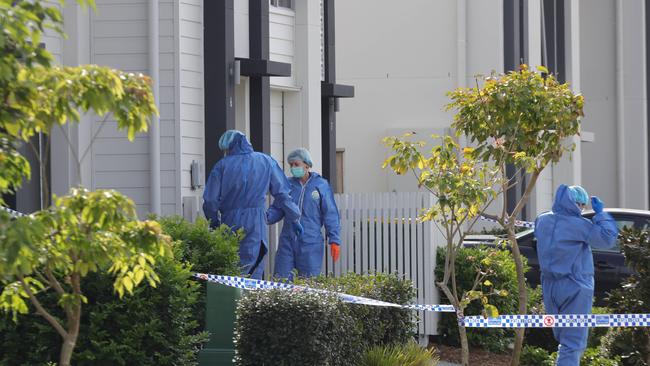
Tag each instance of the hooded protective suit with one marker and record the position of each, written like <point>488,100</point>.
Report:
<point>318,209</point>
<point>564,241</point>
<point>236,189</point>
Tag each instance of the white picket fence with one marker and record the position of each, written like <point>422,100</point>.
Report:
<point>380,233</point>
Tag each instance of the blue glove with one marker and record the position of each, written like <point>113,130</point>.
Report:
<point>297,228</point>
<point>597,204</point>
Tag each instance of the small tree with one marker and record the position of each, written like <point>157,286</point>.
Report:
<point>523,119</point>
<point>86,231</point>
<point>463,188</point>
<point>55,249</point>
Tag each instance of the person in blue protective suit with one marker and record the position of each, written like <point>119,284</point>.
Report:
<point>235,195</point>
<point>314,197</point>
<point>564,242</point>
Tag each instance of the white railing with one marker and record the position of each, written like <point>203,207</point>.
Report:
<point>380,233</point>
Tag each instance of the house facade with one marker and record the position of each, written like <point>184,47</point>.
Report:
<point>262,66</point>
<point>405,58</point>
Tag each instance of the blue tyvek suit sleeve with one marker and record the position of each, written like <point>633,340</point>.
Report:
<point>604,232</point>
<point>280,190</point>
<point>274,214</point>
<point>212,197</point>
<point>330,214</point>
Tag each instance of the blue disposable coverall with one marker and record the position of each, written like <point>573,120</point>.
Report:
<point>564,241</point>
<point>236,189</point>
<point>318,209</point>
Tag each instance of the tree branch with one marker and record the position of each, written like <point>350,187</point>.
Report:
<point>41,310</point>
<point>92,140</point>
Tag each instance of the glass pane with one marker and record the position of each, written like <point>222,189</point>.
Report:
<point>621,223</point>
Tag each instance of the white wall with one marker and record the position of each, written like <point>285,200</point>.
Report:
<point>116,35</point>
<point>119,40</point>
<point>191,100</point>
<point>282,41</point>
<point>600,164</point>
<point>402,62</point>
<point>241,28</point>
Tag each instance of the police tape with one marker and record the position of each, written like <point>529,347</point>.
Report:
<point>519,223</point>
<point>11,212</point>
<point>559,321</point>
<point>253,284</point>
<point>502,321</point>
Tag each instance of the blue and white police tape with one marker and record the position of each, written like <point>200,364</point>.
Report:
<point>502,321</point>
<point>253,284</point>
<point>559,321</point>
<point>519,223</point>
<point>11,212</point>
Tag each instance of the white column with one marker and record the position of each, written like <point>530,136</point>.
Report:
<point>154,128</point>
<point>303,108</point>
<point>631,105</point>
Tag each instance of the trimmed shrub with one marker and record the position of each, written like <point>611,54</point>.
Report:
<point>154,326</point>
<point>505,277</point>
<point>409,354</point>
<point>379,325</point>
<point>284,328</point>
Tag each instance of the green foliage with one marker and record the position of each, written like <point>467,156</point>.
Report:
<point>208,251</point>
<point>630,344</point>
<point>82,233</point>
<point>274,318</point>
<point>279,327</point>
<point>520,118</point>
<point>154,326</point>
<point>534,356</point>
<point>409,354</point>
<point>633,297</point>
<point>594,357</point>
<point>38,96</point>
<point>460,183</point>
<point>379,325</point>
<point>499,270</point>
<point>53,251</point>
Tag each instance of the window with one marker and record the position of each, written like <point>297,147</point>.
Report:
<point>282,3</point>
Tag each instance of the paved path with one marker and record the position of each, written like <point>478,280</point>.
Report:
<point>444,363</point>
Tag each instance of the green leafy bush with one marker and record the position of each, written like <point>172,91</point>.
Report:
<point>209,251</point>
<point>632,344</point>
<point>409,354</point>
<point>154,326</point>
<point>283,328</point>
<point>379,325</point>
<point>536,356</point>
<point>505,277</point>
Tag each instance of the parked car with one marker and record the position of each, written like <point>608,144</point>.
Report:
<point>609,264</point>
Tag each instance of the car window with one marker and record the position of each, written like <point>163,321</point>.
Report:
<point>621,223</point>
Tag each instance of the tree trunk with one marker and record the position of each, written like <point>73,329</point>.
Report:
<point>74,322</point>
<point>462,331</point>
<point>66,351</point>
<point>523,295</point>
<point>464,345</point>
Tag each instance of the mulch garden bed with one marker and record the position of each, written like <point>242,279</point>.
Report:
<point>477,356</point>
